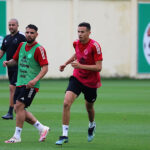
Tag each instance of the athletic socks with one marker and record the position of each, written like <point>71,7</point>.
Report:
<point>65,130</point>
<point>92,124</point>
<point>10,111</point>
<point>39,126</point>
<point>17,133</point>
<point>18,130</point>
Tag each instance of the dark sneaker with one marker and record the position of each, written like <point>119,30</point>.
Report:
<point>91,134</point>
<point>8,116</point>
<point>62,139</point>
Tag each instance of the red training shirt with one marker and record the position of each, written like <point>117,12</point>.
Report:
<point>88,54</point>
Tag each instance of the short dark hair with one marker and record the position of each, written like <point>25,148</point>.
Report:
<point>85,24</point>
<point>32,26</point>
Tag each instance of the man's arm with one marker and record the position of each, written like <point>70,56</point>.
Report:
<point>1,53</point>
<point>41,74</point>
<point>73,58</point>
<point>10,63</point>
<point>97,67</point>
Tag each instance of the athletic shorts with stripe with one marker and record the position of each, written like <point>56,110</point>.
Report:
<point>24,95</point>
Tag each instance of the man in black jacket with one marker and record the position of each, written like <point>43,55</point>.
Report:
<point>9,46</point>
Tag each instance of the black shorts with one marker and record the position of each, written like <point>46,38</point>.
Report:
<point>12,76</point>
<point>24,95</point>
<point>90,94</point>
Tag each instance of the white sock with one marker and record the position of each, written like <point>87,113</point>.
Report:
<point>17,133</point>
<point>92,124</point>
<point>65,129</point>
<point>39,126</point>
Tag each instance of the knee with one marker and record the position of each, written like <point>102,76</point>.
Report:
<point>67,105</point>
<point>19,106</point>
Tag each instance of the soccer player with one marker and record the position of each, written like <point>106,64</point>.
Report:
<point>87,63</point>
<point>32,66</point>
<point>9,46</point>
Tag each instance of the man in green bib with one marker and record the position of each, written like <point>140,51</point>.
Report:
<point>32,66</point>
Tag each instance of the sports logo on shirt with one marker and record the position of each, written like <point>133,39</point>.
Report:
<point>15,41</point>
<point>146,44</point>
<point>85,51</point>
<point>29,55</point>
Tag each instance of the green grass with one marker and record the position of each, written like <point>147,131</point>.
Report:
<point>122,117</point>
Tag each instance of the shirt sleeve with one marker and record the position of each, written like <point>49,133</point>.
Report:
<point>97,52</point>
<point>40,56</point>
<point>3,46</point>
<point>74,44</point>
<point>16,55</point>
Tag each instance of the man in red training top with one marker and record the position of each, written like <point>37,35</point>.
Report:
<point>32,66</point>
<point>87,63</point>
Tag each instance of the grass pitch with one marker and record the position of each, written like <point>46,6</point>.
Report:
<point>122,117</point>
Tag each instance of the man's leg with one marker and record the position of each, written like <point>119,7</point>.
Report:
<point>12,92</point>
<point>90,110</point>
<point>30,118</point>
<point>43,130</point>
<point>9,115</point>
<point>20,118</point>
<point>91,116</point>
<point>12,76</point>
<point>20,114</point>
<point>68,100</point>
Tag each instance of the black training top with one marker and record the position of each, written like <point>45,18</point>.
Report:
<point>10,45</point>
